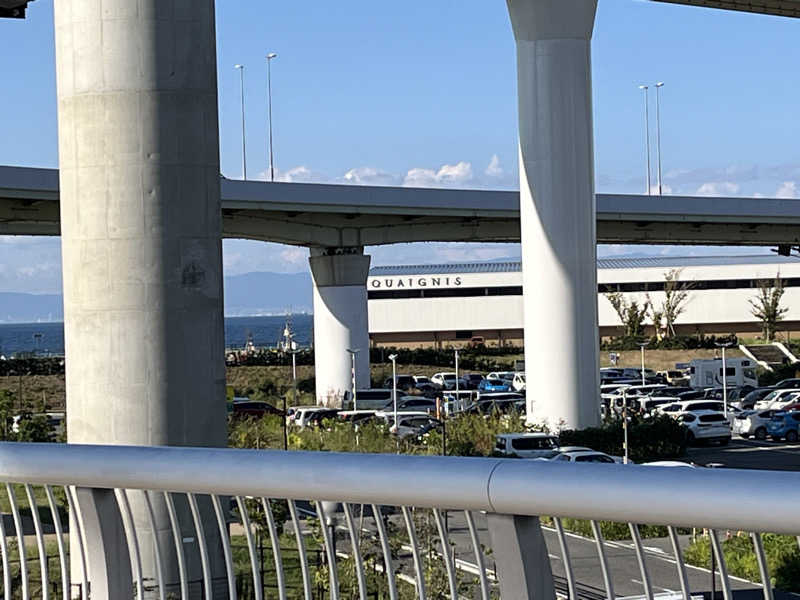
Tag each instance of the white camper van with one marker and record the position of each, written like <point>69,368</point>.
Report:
<point>707,373</point>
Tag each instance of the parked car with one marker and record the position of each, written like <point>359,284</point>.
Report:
<point>748,402</point>
<point>792,383</point>
<point>491,384</point>
<point>473,380</point>
<point>404,382</point>
<point>586,455</point>
<point>253,408</point>
<point>374,398</point>
<point>410,423</point>
<point>412,403</point>
<point>447,381</point>
<point>304,416</point>
<point>778,398</point>
<point>752,423</point>
<point>317,418</point>
<point>356,416</point>
<point>518,383</point>
<point>706,426</point>
<point>526,445</point>
<point>677,408</point>
<point>674,377</point>
<point>784,425</point>
<point>487,407</point>
<point>501,375</point>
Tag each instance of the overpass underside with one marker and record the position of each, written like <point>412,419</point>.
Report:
<point>781,8</point>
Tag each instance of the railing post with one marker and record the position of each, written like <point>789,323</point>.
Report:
<point>520,552</point>
<point>107,555</point>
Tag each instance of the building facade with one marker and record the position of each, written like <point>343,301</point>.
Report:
<point>454,304</point>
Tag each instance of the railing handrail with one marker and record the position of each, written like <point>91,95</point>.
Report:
<point>716,498</point>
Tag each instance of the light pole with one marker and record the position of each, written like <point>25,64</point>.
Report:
<point>393,358</point>
<point>647,132</point>
<point>659,85</point>
<point>353,354</point>
<point>625,425</point>
<point>724,345</point>
<point>270,56</point>
<point>457,396</point>
<point>240,68</point>
<point>643,345</point>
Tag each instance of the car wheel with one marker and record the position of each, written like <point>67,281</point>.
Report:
<point>724,441</point>
<point>761,433</point>
<point>791,436</point>
<point>745,435</point>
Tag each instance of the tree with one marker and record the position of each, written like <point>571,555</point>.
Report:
<point>676,294</point>
<point>631,315</point>
<point>766,306</point>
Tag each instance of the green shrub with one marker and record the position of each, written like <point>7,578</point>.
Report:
<point>767,378</point>
<point>783,558</point>
<point>683,342</point>
<point>655,438</point>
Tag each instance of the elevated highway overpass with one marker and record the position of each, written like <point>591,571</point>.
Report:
<point>780,8</point>
<point>317,215</point>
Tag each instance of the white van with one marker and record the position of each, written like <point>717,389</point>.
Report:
<point>526,445</point>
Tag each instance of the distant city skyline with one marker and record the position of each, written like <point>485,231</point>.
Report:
<point>424,95</point>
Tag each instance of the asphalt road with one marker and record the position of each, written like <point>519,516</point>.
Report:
<point>749,454</point>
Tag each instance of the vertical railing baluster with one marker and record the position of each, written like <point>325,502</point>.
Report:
<point>479,560</point>
<point>386,549</point>
<point>6,565</point>
<point>562,542</point>
<point>224,537</point>
<point>301,550</point>
<point>723,567</point>
<point>80,536</point>
<point>62,551</point>
<point>177,538</point>
<point>133,540</point>
<point>330,550</point>
<point>447,555</point>
<point>601,552</point>
<point>354,538</point>
<point>40,545</point>
<point>642,559</point>
<point>763,567</point>
<point>151,515</point>
<point>676,550</point>
<point>412,539</point>
<point>251,547</point>
<point>201,543</point>
<point>23,558</point>
<point>276,548</point>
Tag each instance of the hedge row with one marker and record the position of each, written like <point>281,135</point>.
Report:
<point>684,342</point>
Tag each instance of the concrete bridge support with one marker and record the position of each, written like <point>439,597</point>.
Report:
<point>557,205</point>
<point>340,321</point>
<point>141,226</point>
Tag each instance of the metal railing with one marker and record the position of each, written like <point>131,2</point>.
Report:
<point>163,523</point>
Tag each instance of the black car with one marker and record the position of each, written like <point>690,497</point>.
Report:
<point>415,403</point>
<point>254,409</point>
<point>473,380</point>
<point>319,417</point>
<point>749,401</point>
<point>404,382</point>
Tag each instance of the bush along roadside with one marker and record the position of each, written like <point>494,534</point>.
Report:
<point>783,558</point>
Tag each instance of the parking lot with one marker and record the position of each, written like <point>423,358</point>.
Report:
<point>749,454</point>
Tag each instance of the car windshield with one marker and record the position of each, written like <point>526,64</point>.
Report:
<point>449,376</point>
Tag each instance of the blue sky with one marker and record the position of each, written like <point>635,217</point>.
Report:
<point>424,93</point>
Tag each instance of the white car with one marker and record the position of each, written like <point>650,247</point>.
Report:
<point>508,375</point>
<point>518,383</point>
<point>675,409</point>
<point>707,426</point>
<point>445,381</point>
<point>585,455</point>
<point>752,423</point>
<point>777,399</point>
<point>301,415</point>
<point>526,445</point>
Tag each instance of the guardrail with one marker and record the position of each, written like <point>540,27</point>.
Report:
<point>157,522</point>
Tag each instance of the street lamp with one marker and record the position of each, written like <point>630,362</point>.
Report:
<point>457,397</point>
<point>270,56</point>
<point>240,68</point>
<point>643,345</point>
<point>659,85</point>
<point>724,345</point>
<point>647,133</point>
<point>353,354</point>
<point>625,425</point>
<point>393,358</point>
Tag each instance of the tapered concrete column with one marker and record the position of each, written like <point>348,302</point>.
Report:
<point>140,223</point>
<point>557,206</point>
<point>340,321</point>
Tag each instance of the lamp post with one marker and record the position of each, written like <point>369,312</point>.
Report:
<point>457,390</point>
<point>353,354</point>
<point>643,345</point>
<point>647,132</point>
<point>659,85</point>
<point>724,345</point>
<point>625,425</point>
<point>393,358</point>
<point>240,68</point>
<point>270,56</point>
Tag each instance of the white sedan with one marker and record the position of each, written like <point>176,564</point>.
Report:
<point>585,455</point>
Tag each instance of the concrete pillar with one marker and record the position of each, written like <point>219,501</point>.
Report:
<point>557,206</point>
<point>340,321</point>
<point>141,224</point>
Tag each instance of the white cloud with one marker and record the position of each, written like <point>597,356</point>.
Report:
<point>447,176</point>
<point>295,255</point>
<point>788,189</point>
<point>718,188</point>
<point>369,176</point>
<point>665,189</point>
<point>494,169</point>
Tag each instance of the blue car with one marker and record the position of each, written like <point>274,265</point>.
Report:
<point>494,385</point>
<point>784,425</point>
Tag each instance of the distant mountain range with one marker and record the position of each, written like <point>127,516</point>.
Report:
<point>245,295</point>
